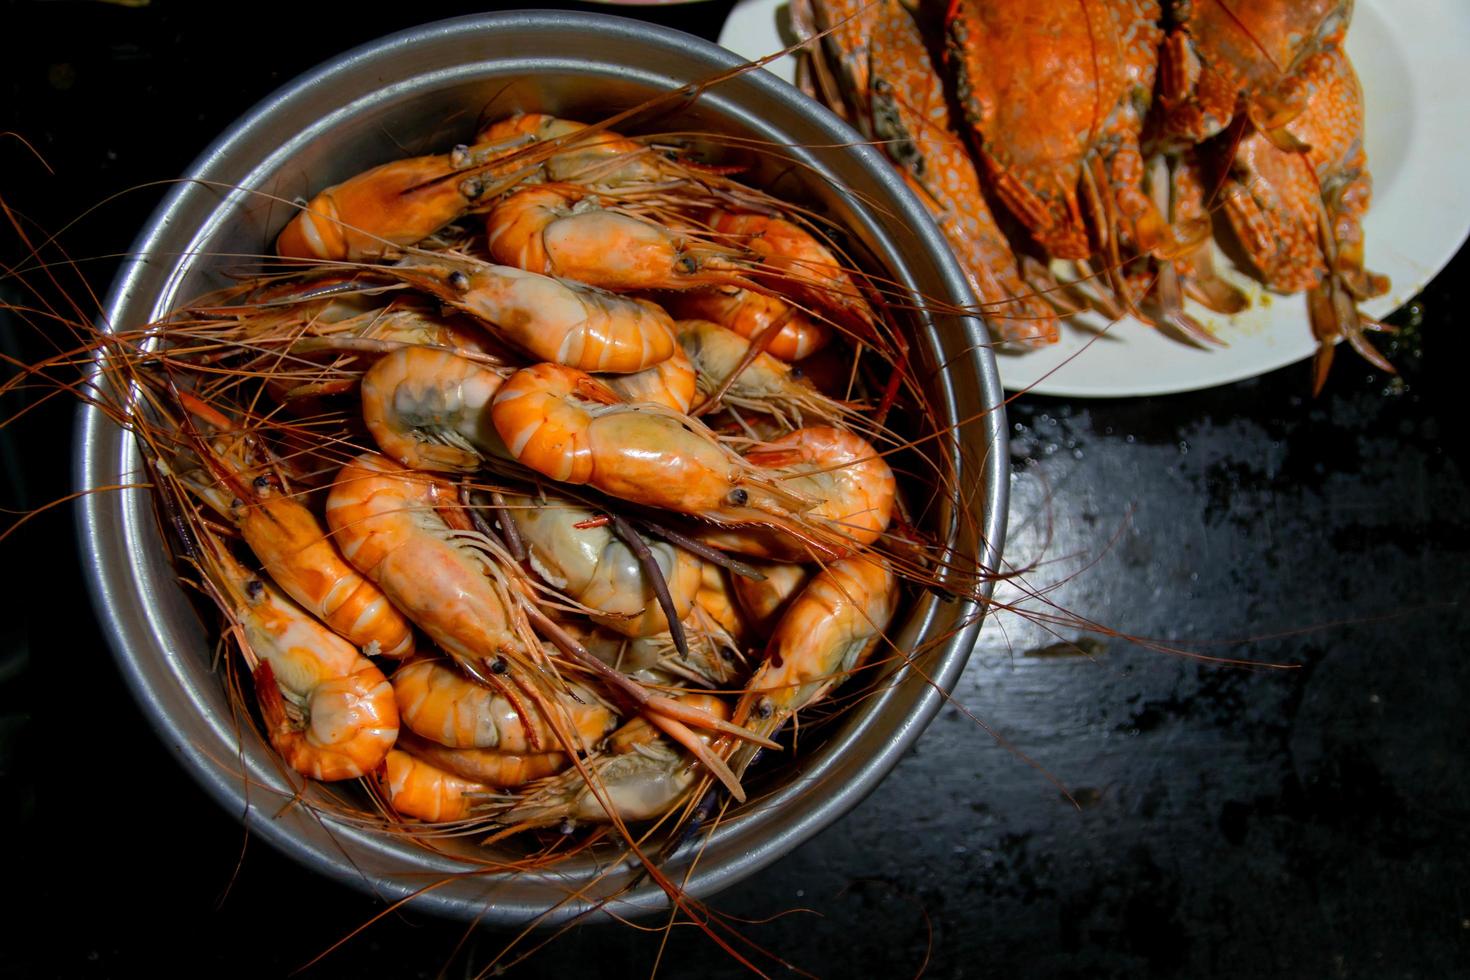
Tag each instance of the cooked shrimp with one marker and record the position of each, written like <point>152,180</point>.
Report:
<point>485,766</point>
<point>765,600</point>
<point>417,788</point>
<point>554,319</point>
<point>328,710</point>
<point>766,384</point>
<point>841,469</point>
<point>670,383</point>
<point>292,545</point>
<point>384,519</point>
<point>441,704</point>
<point>563,424</point>
<point>748,313</point>
<point>564,230</point>
<point>597,569</point>
<point>399,203</point>
<point>801,265</point>
<point>571,152</point>
<point>828,630</point>
<point>642,777</point>
<point>430,409</point>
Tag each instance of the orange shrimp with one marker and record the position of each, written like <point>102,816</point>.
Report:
<point>384,520</point>
<point>799,265</point>
<point>826,633</point>
<point>554,319</point>
<point>716,597</point>
<point>328,710</point>
<point>571,152</point>
<point>429,409</point>
<point>293,547</point>
<point>485,766</point>
<point>441,704</point>
<point>419,789</point>
<point>443,578</point>
<point>372,214</point>
<point>841,469</point>
<point>601,158</point>
<point>671,383</point>
<point>749,313</point>
<point>764,601</point>
<point>766,384</point>
<point>564,230</point>
<point>564,424</point>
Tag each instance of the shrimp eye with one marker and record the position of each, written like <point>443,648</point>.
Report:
<point>254,589</point>
<point>796,373</point>
<point>689,264</point>
<point>459,281</point>
<point>459,156</point>
<point>765,708</point>
<point>471,188</point>
<point>262,483</point>
<point>498,665</point>
<point>738,497</point>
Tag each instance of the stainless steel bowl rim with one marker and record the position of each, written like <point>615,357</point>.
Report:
<point>114,528</point>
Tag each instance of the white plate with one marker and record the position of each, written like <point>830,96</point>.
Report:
<point>1413,66</point>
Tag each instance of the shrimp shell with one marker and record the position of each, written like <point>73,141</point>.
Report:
<point>766,600</point>
<point>328,710</point>
<point>671,383</point>
<point>429,409</point>
<point>767,384</point>
<point>827,632</point>
<point>486,766</point>
<point>852,480</point>
<point>441,704</point>
<point>749,313</point>
<point>565,425</point>
<point>295,550</point>
<point>417,788</point>
<point>384,520</point>
<point>554,319</point>
<point>372,214</point>
<point>561,230</point>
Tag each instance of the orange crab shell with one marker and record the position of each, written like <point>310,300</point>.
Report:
<point>1043,86</point>
<point>1220,58</point>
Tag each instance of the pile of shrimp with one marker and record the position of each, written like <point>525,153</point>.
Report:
<point>541,483</point>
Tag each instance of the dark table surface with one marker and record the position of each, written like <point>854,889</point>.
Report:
<point>1308,820</point>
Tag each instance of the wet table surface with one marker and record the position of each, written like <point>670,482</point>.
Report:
<point>1129,812</point>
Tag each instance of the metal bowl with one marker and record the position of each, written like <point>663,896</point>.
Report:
<point>420,91</point>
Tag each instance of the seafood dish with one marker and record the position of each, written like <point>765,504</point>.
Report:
<point>547,492</point>
<point>1088,159</point>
